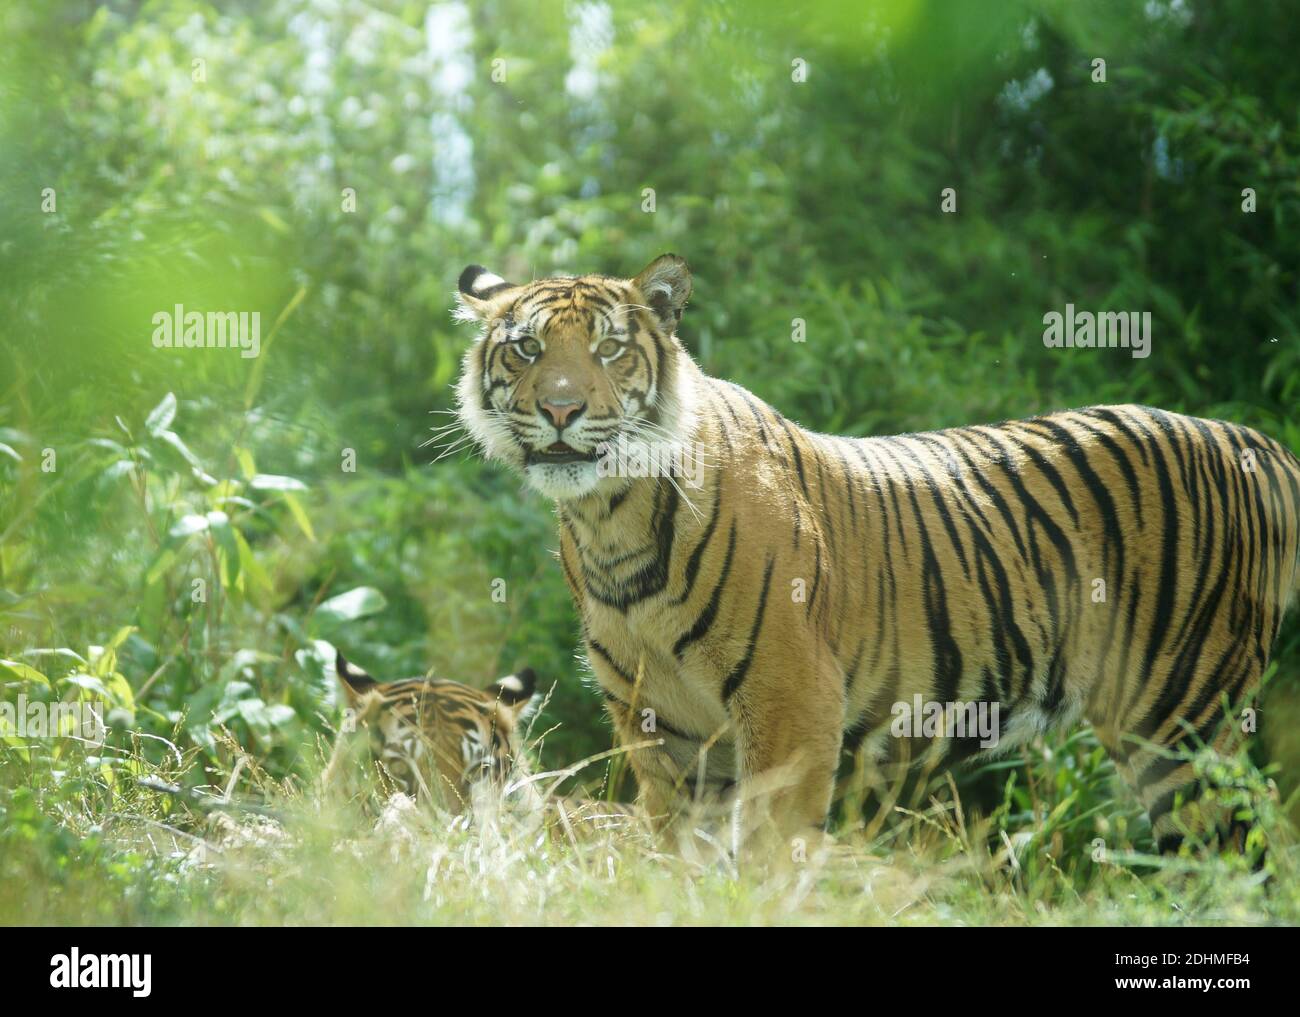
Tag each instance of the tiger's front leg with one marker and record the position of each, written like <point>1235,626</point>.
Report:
<point>656,780</point>
<point>788,717</point>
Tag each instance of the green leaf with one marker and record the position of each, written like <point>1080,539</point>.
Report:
<point>189,524</point>
<point>119,691</point>
<point>166,558</point>
<point>15,670</point>
<point>300,516</point>
<point>274,482</point>
<point>120,637</point>
<point>8,451</point>
<point>174,440</point>
<point>364,600</point>
<point>259,365</point>
<point>234,691</point>
<point>273,220</point>
<point>250,566</point>
<point>61,651</point>
<point>110,444</point>
<point>255,715</point>
<point>121,468</point>
<point>162,415</point>
<point>245,460</point>
<point>225,534</point>
<point>89,683</point>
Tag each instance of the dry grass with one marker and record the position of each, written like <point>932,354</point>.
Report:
<point>88,844</point>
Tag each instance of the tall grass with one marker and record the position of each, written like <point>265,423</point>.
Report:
<point>112,836</point>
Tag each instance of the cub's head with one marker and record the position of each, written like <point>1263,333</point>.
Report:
<point>564,365</point>
<point>435,739</point>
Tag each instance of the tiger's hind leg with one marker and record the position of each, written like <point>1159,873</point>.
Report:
<point>1183,758</point>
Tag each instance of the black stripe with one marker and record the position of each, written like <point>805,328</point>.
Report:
<point>798,459</point>
<point>710,611</point>
<point>659,721</point>
<point>738,673</point>
<point>848,486</point>
<point>1049,471</point>
<point>993,494</point>
<point>1121,425</point>
<point>1122,460</point>
<point>609,660</point>
<point>652,577</point>
<point>697,556</point>
<point>1167,587</point>
<point>568,574</point>
<point>1046,575</point>
<point>851,673</point>
<point>941,506</point>
<point>947,654</point>
<point>817,576</point>
<point>861,448</point>
<point>748,400</point>
<point>874,713</point>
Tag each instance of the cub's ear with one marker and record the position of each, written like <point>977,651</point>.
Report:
<point>479,293</point>
<point>515,688</point>
<point>356,683</point>
<point>666,286</point>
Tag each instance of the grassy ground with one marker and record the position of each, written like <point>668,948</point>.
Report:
<point>83,841</point>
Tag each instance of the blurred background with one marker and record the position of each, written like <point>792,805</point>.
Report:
<point>185,533</point>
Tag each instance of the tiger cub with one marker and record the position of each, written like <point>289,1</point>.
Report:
<point>440,742</point>
<point>433,739</point>
<point>767,597</point>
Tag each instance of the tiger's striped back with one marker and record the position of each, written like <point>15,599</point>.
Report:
<point>1120,564</point>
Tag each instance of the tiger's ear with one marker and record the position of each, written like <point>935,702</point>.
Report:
<point>666,286</point>
<point>480,292</point>
<point>356,683</point>
<point>515,688</point>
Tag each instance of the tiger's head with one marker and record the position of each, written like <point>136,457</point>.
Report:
<point>565,366</point>
<point>434,739</point>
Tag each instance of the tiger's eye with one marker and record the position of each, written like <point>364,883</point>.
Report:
<point>608,348</point>
<point>530,347</point>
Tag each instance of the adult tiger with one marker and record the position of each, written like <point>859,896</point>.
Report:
<point>781,610</point>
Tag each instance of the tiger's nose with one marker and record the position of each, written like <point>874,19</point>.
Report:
<point>561,413</point>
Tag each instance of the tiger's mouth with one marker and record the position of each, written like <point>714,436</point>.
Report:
<point>555,453</point>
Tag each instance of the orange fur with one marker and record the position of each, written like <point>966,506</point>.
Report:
<point>775,615</point>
